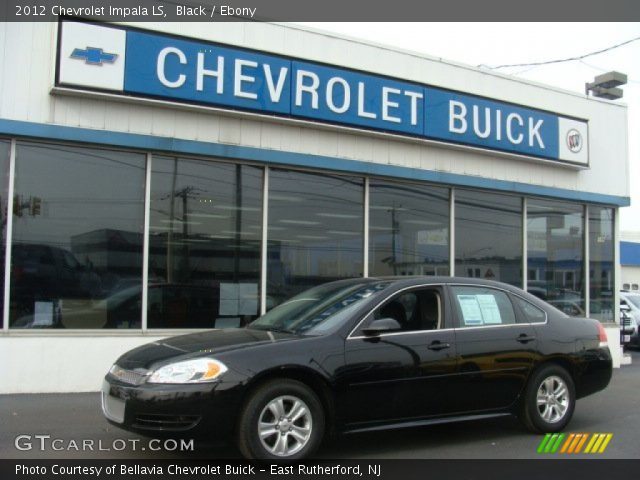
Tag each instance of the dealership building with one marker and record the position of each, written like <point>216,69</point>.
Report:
<point>160,178</point>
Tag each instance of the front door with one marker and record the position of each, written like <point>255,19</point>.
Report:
<point>405,373</point>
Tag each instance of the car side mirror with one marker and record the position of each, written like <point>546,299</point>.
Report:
<point>625,308</point>
<point>381,325</point>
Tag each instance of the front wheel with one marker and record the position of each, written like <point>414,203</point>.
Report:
<point>549,400</point>
<point>282,419</point>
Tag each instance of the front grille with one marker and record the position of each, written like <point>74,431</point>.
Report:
<point>166,422</point>
<point>132,377</point>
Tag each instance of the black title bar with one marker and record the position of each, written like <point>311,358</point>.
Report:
<point>344,469</point>
<point>320,11</point>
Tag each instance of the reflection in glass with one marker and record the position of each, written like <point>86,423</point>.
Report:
<point>408,229</point>
<point>204,244</point>
<point>489,236</point>
<point>77,238</point>
<point>601,271</point>
<point>315,231</point>
<point>555,246</point>
<point>4,186</point>
<point>318,309</point>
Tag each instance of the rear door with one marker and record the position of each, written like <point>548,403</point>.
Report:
<point>495,348</point>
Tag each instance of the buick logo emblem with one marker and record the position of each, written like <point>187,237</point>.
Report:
<point>574,140</point>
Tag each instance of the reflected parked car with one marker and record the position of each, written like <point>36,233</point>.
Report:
<point>169,306</point>
<point>40,270</point>
<point>360,355</point>
<point>570,307</point>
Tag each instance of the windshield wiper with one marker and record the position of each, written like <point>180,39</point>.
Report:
<point>270,329</point>
<point>280,330</point>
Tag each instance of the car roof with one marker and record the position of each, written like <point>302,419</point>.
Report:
<point>408,281</point>
<point>399,282</point>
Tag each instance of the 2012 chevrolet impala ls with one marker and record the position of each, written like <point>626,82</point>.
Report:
<point>364,354</point>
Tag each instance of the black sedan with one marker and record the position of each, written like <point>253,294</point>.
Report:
<point>360,355</point>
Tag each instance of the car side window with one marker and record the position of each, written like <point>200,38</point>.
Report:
<point>481,306</point>
<point>415,310</point>
<point>531,313</point>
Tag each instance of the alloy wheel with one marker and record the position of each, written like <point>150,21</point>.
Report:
<point>552,399</point>
<point>285,425</point>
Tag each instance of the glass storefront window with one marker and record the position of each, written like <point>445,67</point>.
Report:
<point>76,257</point>
<point>601,268</point>
<point>205,232</point>
<point>315,231</point>
<point>4,187</point>
<point>555,247</point>
<point>408,229</point>
<point>488,236</point>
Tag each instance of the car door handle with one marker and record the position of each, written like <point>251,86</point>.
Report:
<point>437,345</point>
<point>524,338</point>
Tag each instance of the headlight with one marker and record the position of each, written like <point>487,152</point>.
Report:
<point>189,371</point>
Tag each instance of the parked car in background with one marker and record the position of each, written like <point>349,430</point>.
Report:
<point>630,303</point>
<point>628,326</point>
<point>360,355</point>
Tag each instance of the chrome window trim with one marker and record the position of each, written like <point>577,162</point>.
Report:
<point>387,298</point>
<point>412,332</point>
<point>351,337</point>
<point>546,317</point>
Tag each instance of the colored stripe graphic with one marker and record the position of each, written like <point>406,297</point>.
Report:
<point>550,443</point>
<point>598,443</point>
<point>573,443</point>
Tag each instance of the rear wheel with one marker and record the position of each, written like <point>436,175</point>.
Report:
<point>282,419</point>
<point>549,400</point>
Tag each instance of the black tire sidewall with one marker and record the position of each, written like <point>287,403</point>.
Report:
<point>534,420</point>
<point>248,440</point>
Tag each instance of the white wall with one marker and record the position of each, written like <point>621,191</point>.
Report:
<point>630,275</point>
<point>60,363</point>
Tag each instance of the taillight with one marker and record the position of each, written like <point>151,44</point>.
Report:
<point>602,336</point>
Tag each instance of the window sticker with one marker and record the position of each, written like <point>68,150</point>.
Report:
<point>479,310</point>
<point>471,312</point>
<point>490,310</point>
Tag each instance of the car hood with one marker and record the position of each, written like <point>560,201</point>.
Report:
<point>194,345</point>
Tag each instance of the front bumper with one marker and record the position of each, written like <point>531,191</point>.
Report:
<point>200,409</point>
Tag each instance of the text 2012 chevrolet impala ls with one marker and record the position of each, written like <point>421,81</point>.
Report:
<point>364,354</point>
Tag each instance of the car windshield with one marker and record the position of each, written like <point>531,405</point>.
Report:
<point>317,310</point>
<point>635,299</point>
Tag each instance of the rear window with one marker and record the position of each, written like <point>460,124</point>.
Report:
<point>532,314</point>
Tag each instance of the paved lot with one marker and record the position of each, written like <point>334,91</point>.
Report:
<point>74,417</point>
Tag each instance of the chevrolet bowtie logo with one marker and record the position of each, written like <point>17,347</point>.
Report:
<point>94,56</point>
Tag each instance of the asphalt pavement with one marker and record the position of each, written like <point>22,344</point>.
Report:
<point>71,426</point>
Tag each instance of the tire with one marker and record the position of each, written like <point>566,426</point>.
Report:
<point>292,418</point>
<point>553,386</point>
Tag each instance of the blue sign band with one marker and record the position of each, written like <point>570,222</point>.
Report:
<point>183,70</point>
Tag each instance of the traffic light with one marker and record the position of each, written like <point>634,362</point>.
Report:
<point>35,206</point>
<point>17,206</point>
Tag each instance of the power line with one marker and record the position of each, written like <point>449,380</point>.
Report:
<point>562,60</point>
